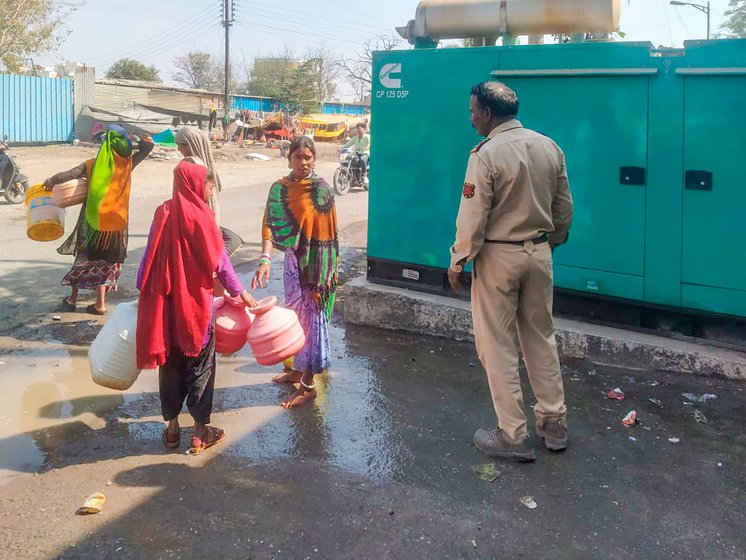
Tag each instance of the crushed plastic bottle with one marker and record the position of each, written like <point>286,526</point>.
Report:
<point>630,419</point>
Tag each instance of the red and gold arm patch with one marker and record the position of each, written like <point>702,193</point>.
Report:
<point>469,190</point>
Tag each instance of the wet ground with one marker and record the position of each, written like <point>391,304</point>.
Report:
<point>380,466</point>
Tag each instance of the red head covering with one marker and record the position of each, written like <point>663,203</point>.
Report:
<point>184,249</point>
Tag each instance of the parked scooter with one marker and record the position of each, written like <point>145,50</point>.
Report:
<point>12,183</point>
<point>352,172</point>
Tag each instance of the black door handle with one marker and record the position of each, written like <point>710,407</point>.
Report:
<point>632,175</point>
<point>698,180</point>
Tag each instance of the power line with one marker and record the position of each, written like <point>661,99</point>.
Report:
<point>294,32</point>
<point>668,22</point>
<point>258,15</point>
<point>353,40</point>
<point>358,8</point>
<point>683,23</point>
<point>169,45</point>
<point>160,39</point>
<point>315,21</point>
<point>161,48</point>
<point>326,19</point>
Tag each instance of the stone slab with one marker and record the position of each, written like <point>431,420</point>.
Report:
<point>393,308</point>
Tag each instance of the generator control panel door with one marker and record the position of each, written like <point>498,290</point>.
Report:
<point>601,124</point>
<point>714,193</point>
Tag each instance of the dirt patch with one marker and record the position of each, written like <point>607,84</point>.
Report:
<point>39,161</point>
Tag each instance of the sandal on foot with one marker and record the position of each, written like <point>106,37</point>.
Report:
<point>93,311</point>
<point>171,443</point>
<point>67,306</point>
<point>214,436</point>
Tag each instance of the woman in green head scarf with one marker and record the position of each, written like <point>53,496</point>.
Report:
<point>99,240</point>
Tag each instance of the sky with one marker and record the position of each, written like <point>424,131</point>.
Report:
<point>157,31</point>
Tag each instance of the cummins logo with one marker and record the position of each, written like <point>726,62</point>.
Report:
<point>390,75</point>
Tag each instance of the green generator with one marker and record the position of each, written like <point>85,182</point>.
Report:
<point>655,142</point>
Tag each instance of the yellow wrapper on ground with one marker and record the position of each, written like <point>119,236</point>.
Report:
<point>94,504</point>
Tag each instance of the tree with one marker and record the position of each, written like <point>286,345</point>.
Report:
<point>237,84</point>
<point>27,27</point>
<point>291,82</point>
<point>130,69</point>
<point>241,80</point>
<point>198,70</point>
<point>300,93</point>
<point>271,74</point>
<point>324,70</point>
<point>360,87</point>
<point>359,71</point>
<point>735,24</point>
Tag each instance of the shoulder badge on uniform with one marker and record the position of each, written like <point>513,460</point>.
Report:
<point>475,149</point>
<point>469,190</point>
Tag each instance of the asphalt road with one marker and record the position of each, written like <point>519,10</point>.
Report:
<point>30,272</point>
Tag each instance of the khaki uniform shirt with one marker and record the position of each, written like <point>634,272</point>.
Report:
<point>516,189</point>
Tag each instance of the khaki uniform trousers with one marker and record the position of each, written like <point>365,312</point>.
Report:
<point>512,294</point>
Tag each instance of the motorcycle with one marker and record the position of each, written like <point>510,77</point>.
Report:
<point>12,183</point>
<point>352,172</point>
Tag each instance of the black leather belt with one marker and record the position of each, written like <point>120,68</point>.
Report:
<point>541,239</point>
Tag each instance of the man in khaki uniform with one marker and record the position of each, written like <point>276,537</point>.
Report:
<point>515,208</point>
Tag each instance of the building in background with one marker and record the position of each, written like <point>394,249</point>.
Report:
<point>349,109</point>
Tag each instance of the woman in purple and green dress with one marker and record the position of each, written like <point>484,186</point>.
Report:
<point>301,220</point>
<point>99,240</point>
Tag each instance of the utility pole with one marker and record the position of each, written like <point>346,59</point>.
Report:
<point>229,9</point>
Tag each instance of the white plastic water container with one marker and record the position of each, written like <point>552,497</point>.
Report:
<point>113,355</point>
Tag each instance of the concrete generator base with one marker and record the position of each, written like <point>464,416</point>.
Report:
<point>392,308</point>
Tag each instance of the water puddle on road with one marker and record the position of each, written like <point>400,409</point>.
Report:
<point>347,425</point>
<point>45,391</point>
<point>48,400</point>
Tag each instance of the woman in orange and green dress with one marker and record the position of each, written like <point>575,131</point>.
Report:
<point>99,240</point>
<point>300,219</point>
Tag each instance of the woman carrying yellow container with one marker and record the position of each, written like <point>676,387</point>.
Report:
<point>99,240</point>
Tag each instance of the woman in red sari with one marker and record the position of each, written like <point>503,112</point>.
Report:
<point>175,328</point>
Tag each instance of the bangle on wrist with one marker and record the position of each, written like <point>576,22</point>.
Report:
<point>265,261</point>
<point>266,256</point>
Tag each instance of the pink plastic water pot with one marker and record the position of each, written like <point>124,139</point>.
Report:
<point>232,322</point>
<point>70,193</point>
<point>276,334</point>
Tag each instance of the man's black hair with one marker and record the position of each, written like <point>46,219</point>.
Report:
<point>498,97</point>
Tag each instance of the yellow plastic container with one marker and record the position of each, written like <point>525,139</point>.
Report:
<point>45,220</point>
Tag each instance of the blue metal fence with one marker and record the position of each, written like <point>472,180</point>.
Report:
<point>36,110</point>
<point>268,105</point>
<point>352,109</point>
<point>256,104</point>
